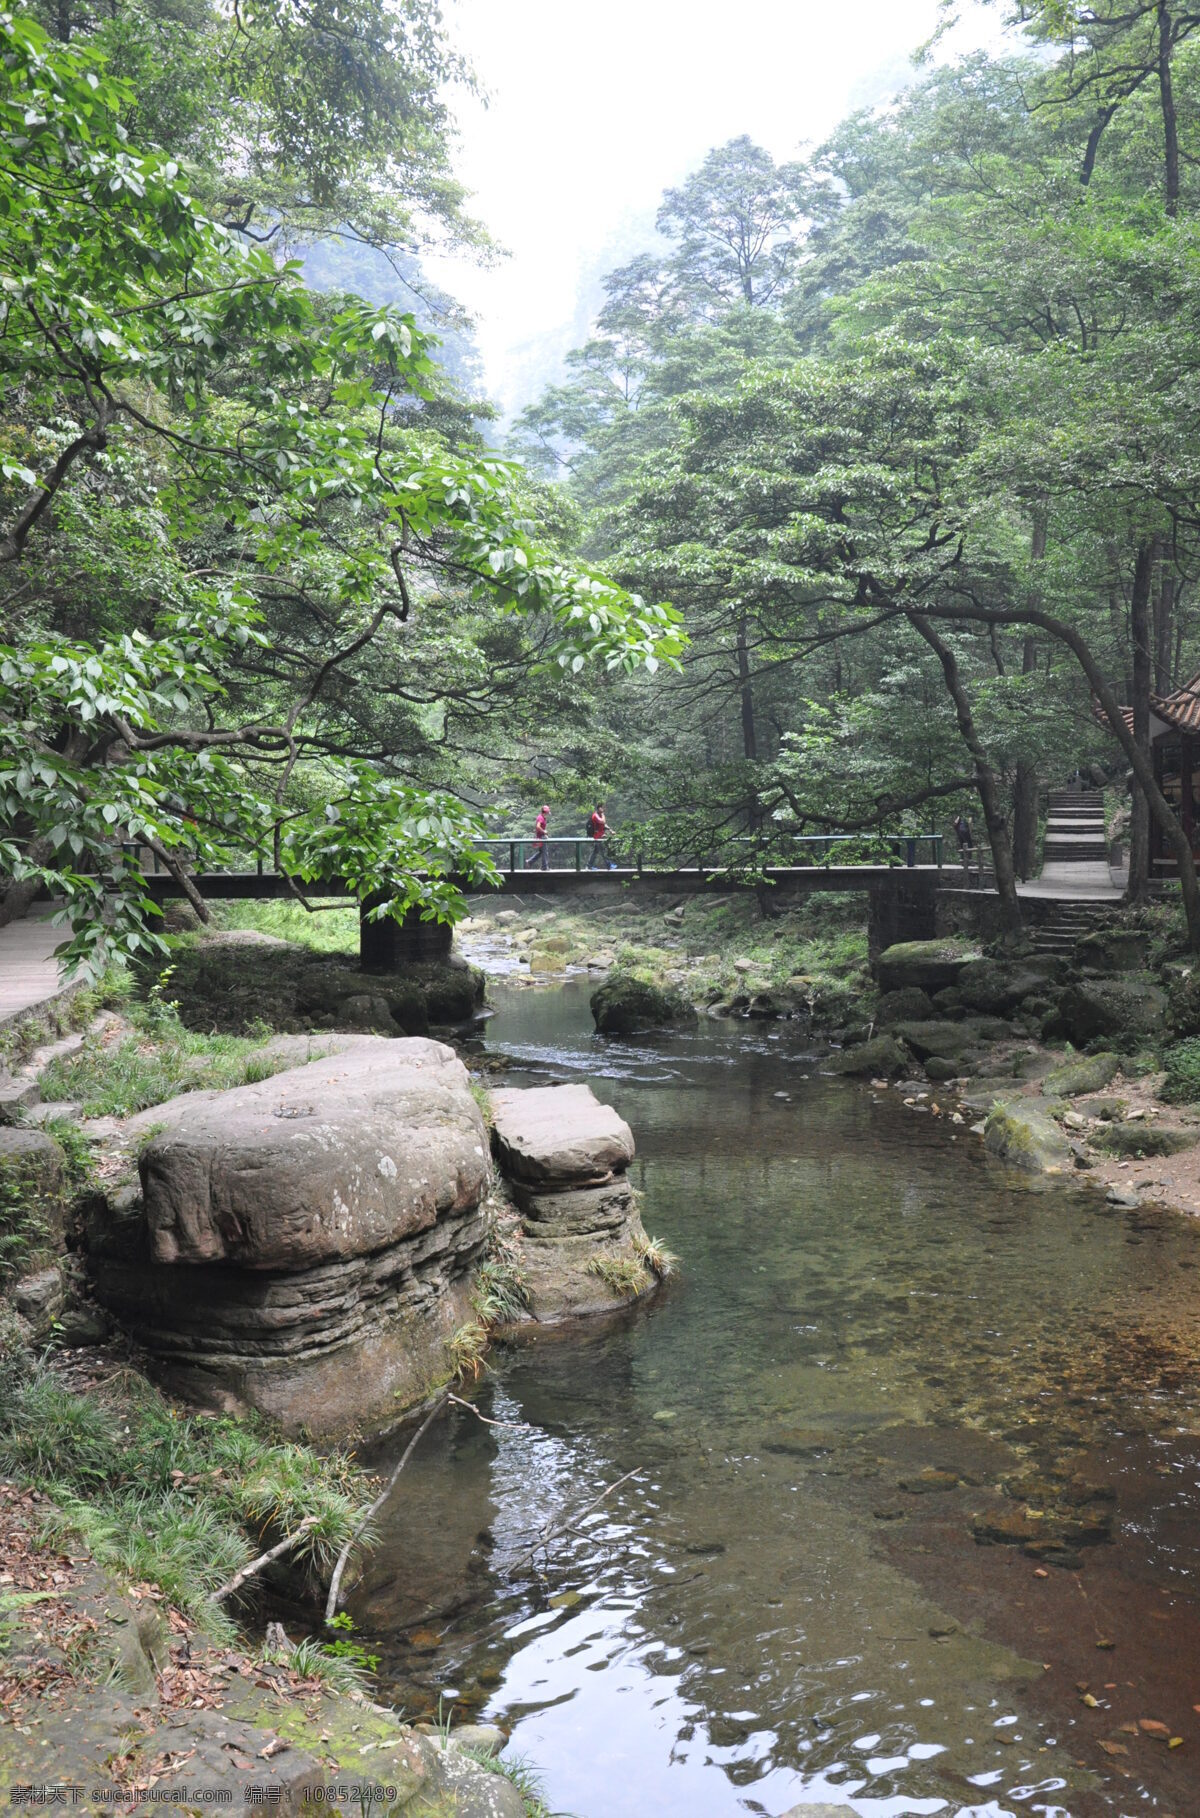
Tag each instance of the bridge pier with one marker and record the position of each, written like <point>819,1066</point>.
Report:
<point>903,907</point>
<point>386,945</point>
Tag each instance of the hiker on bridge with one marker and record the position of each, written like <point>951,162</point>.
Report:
<point>598,832</point>
<point>539,840</point>
<point>965,838</point>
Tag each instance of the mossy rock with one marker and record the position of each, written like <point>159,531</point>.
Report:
<point>1113,949</point>
<point>406,1001</point>
<point>991,985</point>
<point>948,1001</point>
<point>452,993</point>
<point>1125,1010</point>
<point>1091,1073</point>
<point>882,1057</point>
<point>1139,1138</point>
<point>908,1005</point>
<point>947,1040</point>
<point>928,965</point>
<point>938,1068</point>
<point>1024,1136</point>
<point>625,1005</point>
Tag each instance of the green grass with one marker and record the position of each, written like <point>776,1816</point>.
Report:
<point>114,1075</point>
<point>174,1499</point>
<point>654,1254</point>
<point>501,1294</point>
<point>328,931</point>
<point>30,1205</point>
<point>620,1274</point>
<point>517,1769</point>
<point>1182,1064</point>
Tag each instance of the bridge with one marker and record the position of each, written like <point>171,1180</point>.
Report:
<point>901,885</point>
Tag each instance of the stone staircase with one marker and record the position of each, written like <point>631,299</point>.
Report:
<point>1075,832</point>
<point>1067,923</point>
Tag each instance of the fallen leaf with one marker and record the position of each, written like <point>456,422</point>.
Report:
<point>1176,1742</point>
<point>1114,1748</point>
<point>1106,1644</point>
<point>1092,1703</point>
<point>1152,1727</point>
<point>1041,1572</point>
<point>274,1747</point>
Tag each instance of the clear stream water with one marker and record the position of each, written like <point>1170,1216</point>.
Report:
<point>764,1612</point>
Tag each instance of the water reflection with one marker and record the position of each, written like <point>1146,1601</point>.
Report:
<point>881,1351</point>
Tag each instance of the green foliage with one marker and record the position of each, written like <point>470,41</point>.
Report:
<point>520,1772</point>
<point>622,1275</point>
<point>114,1075</point>
<point>500,1296</point>
<point>1181,1063</point>
<point>178,1500</point>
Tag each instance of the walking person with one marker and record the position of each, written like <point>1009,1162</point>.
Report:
<point>966,841</point>
<point>539,840</point>
<point>598,832</point>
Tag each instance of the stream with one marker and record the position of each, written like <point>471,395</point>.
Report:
<point>880,1347</point>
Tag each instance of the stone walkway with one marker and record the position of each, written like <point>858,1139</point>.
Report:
<point>1070,881</point>
<point>29,972</point>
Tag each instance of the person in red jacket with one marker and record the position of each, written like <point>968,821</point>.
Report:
<point>539,840</point>
<point>598,832</point>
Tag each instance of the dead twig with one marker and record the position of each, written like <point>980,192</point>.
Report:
<point>335,1586</point>
<point>264,1559</point>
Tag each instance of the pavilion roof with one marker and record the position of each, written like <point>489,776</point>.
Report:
<point>1180,708</point>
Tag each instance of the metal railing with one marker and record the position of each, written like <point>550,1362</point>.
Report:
<point>554,853</point>
<point>513,854</point>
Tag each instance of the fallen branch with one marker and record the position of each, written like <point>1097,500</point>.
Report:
<point>335,1587</point>
<point>567,1524</point>
<point>264,1559</point>
<point>517,1426</point>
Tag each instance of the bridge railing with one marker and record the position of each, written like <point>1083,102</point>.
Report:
<point>513,854</point>
<point>524,852</point>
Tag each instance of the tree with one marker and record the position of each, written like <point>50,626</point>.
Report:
<point>164,385</point>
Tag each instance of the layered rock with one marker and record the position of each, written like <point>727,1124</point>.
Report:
<point>565,1158</point>
<point>303,1246</point>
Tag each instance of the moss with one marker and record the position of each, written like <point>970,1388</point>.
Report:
<point>1139,1138</point>
<point>882,1056</point>
<point>1091,1073</point>
<point>625,1003</point>
<point>1026,1137</point>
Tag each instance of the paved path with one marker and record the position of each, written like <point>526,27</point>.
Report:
<point>28,969</point>
<point>1074,881</point>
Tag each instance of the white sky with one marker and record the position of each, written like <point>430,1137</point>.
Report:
<point>594,109</point>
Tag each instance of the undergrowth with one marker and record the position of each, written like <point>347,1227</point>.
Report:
<point>115,1074</point>
<point>34,1199</point>
<point>177,1500</point>
<point>517,1769</point>
<point>1182,1064</point>
<point>620,1274</point>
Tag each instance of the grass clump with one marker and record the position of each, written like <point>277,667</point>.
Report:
<point>1181,1062</point>
<point>36,1195</point>
<point>156,1059</point>
<point>175,1500</point>
<point>623,1275</point>
<point>517,1769</point>
<point>653,1253</point>
<point>467,1350</point>
<point>501,1292</point>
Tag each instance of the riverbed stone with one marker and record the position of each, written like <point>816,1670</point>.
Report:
<point>1021,1134</point>
<point>807,1810</point>
<point>304,1246</point>
<point>1089,1073</point>
<point>1113,949</point>
<point>882,1057</point>
<point>626,1005</point>
<point>929,965</point>
<point>1142,1138</point>
<point>946,1040</point>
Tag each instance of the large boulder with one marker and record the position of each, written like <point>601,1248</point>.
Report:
<point>333,1159</point>
<point>883,1058</point>
<point>1090,1073</point>
<point>990,985</point>
<point>1023,1135</point>
<point>949,1041</point>
<point>304,1246</point>
<point>625,1005</point>
<point>908,1005</point>
<point>1113,949</point>
<point>1128,1010</point>
<point>564,1156</point>
<point>928,965</point>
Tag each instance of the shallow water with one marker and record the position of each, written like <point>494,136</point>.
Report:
<point>763,1611</point>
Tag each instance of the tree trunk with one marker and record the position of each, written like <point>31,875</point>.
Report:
<point>1139,637</point>
<point>1166,44</point>
<point>746,693</point>
<point>1025,783</point>
<point>1120,635</point>
<point>1025,791</point>
<point>985,777</point>
<point>1164,621</point>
